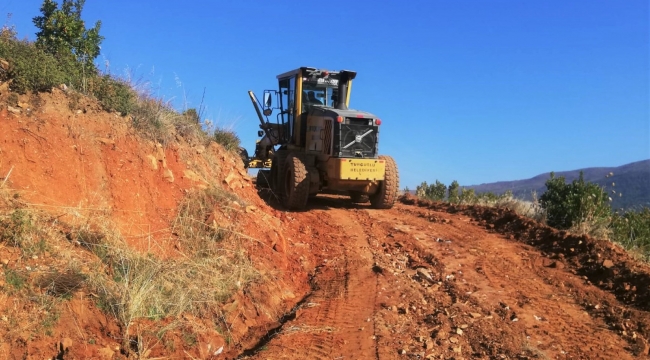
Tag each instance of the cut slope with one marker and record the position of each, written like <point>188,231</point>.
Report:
<point>87,189</point>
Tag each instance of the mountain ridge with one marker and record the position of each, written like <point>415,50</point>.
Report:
<point>631,181</point>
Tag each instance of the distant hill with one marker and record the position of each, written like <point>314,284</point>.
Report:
<point>632,181</point>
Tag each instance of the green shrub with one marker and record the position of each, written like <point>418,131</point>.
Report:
<point>632,230</point>
<point>435,191</point>
<point>577,204</point>
<point>192,115</point>
<point>468,196</point>
<point>453,195</point>
<point>227,138</point>
<point>113,94</point>
<point>16,228</point>
<point>487,198</point>
<point>29,67</point>
<point>16,279</point>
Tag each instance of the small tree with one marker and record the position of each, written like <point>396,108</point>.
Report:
<point>453,196</point>
<point>435,191</point>
<point>63,34</point>
<point>438,191</point>
<point>468,196</point>
<point>421,190</point>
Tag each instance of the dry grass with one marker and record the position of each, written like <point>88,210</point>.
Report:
<point>129,285</point>
<point>529,209</point>
<point>157,120</point>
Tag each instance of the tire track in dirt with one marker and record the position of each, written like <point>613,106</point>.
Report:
<point>419,283</point>
<point>337,318</point>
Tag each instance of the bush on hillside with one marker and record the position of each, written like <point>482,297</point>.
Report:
<point>30,68</point>
<point>227,138</point>
<point>436,191</point>
<point>575,205</point>
<point>468,197</point>
<point>48,63</point>
<point>632,230</point>
<point>113,94</point>
<point>453,195</point>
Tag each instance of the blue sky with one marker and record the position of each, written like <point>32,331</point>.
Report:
<point>474,91</point>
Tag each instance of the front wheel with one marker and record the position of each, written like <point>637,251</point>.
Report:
<point>277,172</point>
<point>296,180</point>
<point>386,196</point>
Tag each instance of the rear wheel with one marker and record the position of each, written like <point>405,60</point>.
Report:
<point>263,179</point>
<point>277,172</point>
<point>386,196</point>
<point>296,190</point>
<point>358,197</point>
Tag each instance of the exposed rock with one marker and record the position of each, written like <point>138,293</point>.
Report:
<point>424,274</point>
<point>106,353</point>
<point>106,141</point>
<point>230,178</point>
<point>160,155</point>
<point>608,263</point>
<point>66,344</point>
<point>13,110</point>
<point>168,175</point>
<point>153,162</point>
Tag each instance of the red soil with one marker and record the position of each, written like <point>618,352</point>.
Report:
<point>338,281</point>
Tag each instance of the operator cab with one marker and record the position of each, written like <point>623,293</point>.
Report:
<point>314,115</point>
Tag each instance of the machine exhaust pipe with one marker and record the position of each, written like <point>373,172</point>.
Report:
<point>342,92</point>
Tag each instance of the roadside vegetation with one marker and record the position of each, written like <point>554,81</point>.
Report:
<point>62,57</point>
<point>90,255</point>
<point>581,207</point>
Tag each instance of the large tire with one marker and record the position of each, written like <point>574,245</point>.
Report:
<point>277,172</point>
<point>358,197</point>
<point>263,179</point>
<point>296,189</point>
<point>386,196</point>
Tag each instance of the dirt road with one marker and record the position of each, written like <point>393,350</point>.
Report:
<point>425,282</point>
<point>417,281</point>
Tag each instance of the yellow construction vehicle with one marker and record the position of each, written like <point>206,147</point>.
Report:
<point>318,144</point>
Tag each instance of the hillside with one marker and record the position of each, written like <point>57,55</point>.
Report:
<point>114,246</point>
<point>631,180</point>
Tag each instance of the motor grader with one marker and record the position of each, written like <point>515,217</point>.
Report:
<point>318,144</point>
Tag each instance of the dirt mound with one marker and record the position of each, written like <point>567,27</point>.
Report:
<point>601,262</point>
<point>78,171</point>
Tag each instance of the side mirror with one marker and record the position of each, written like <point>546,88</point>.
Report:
<point>267,100</point>
<point>267,112</point>
<point>260,133</point>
